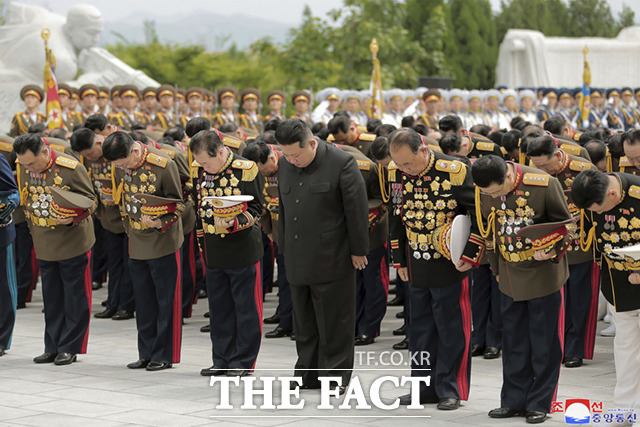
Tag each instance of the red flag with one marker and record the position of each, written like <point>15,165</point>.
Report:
<point>54,111</point>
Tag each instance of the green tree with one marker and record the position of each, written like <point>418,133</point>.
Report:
<point>474,33</point>
<point>591,18</point>
<point>547,16</point>
<point>427,23</point>
<point>626,18</point>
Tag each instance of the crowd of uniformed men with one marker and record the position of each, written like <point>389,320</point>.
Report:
<point>124,192</point>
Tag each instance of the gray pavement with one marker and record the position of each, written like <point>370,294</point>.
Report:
<point>99,390</point>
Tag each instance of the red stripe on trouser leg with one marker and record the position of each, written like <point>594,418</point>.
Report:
<point>34,274</point>
<point>560,335</point>
<point>192,268</point>
<point>592,318</point>
<point>89,293</point>
<point>465,311</point>
<point>384,272</point>
<point>257,294</point>
<point>177,314</point>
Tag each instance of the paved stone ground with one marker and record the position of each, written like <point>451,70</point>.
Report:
<point>99,390</point>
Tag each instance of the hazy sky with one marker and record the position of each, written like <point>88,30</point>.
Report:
<point>286,11</point>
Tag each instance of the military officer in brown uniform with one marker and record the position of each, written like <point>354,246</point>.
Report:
<point>231,242</point>
<point>195,98</point>
<point>32,96</point>
<point>200,123</point>
<point>267,157</point>
<point>128,115</point>
<point>611,203</point>
<point>88,98</point>
<point>155,237</point>
<point>428,190</point>
<point>474,145</point>
<point>431,98</point>
<point>345,133</point>
<point>166,118</point>
<point>226,100</point>
<point>301,101</point>
<point>69,119</point>
<point>63,246</point>
<point>582,288</point>
<point>323,232</point>
<point>120,302</point>
<point>275,100</point>
<point>250,101</point>
<point>510,197</point>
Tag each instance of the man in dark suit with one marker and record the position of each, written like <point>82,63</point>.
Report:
<point>324,236</point>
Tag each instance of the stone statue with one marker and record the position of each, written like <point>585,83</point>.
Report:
<point>73,42</point>
<point>529,59</point>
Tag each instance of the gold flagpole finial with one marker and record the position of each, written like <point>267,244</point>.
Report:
<point>374,47</point>
<point>45,34</point>
<point>585,51</point>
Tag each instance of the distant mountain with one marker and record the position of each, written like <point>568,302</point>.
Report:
<point>216,32</point>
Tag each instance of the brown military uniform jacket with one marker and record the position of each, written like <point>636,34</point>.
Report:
<point>22,121</point>
<point>158,175</point>
<point>271,202</point>
<point>536,198</point>
<point>627,167</point>
<point>240,245</point>
<point>618,228</point>
<point>430,120</point>
<point>164,120</point>
<point>107,212</point>
<point>123,121</point>
<point>363,143</point>
<point>423,204</point>
<point>571,167</point>
<point>481,146</point>
<point>246,121</point>
<point>54,241</point>
<point>180,156</point>
<point>221,118</point>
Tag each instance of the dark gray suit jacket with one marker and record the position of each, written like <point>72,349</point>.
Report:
<point>323,216</point>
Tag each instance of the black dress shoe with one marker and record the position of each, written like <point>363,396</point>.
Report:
<point>406,399</point>
<point>396,301</point>
<point>207,315</point>
<point>45,358</point>
<point>65,359</point>
<point>363,339</point>
<point>402,330</point>
<point>213,371</point>
<point>158,366</point>
<point>104,303</point>
<point>96,285</point>
<point>273,320</point>
<point>293,336</point>
<point>2,352</point>
<point>402,345</point>
<point>491,352</point>
<point>400,315</point>
<point>237,372</point>
<point>477,350</point>
<point>572,362</point>
<point>138,364</point>
<point>106,314</point>
<point>21,305</point>
<point>505,413</point>
<point>535,417</point>
<point>206,328</point>
<point>448,404</point>
<point>123,315</point>
<point>279,333</point>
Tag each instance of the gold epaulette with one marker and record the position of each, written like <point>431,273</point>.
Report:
<point>154,159</point>
<point>503,151</point>
<point>5,146</point>
<point>67,163</point>
<point>634,191</point>
<point>367,137</point>
<point>170,153</point>
<point>571,149</point>
<point>576,136</point>
<point>485,146</point>
<point>57,147</point>
<point>364,165</point>
<point>537,179</point>
<point>625,163</point>
<point>392,168</point>
<point>435,148</point>
<point>231,142</point>
<point>249,169</point>
<point>457,170</point>
<point>330,138</point>
<point>578,166</point>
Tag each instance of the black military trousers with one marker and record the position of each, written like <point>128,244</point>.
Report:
<point>531,351</point>
<point>267,264</point>
<point>120,290</point>
<point>235,307</point>
<point>8,296</point>
<point>188,252</point>
<point>324,319</point>
<point>371,295</point>
<point>157,292</point>
<point>66,292</point>
<point>439,339</point>
<point>99,256</point>
<point>26,263</point>
<point>485,308</point>
<point>581,309</point>
<point>285,307</point>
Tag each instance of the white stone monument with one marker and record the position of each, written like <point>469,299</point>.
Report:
<point>73,42</point>
<point>529,59</point>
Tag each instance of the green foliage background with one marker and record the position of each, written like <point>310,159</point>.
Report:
<point>456,38</point>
